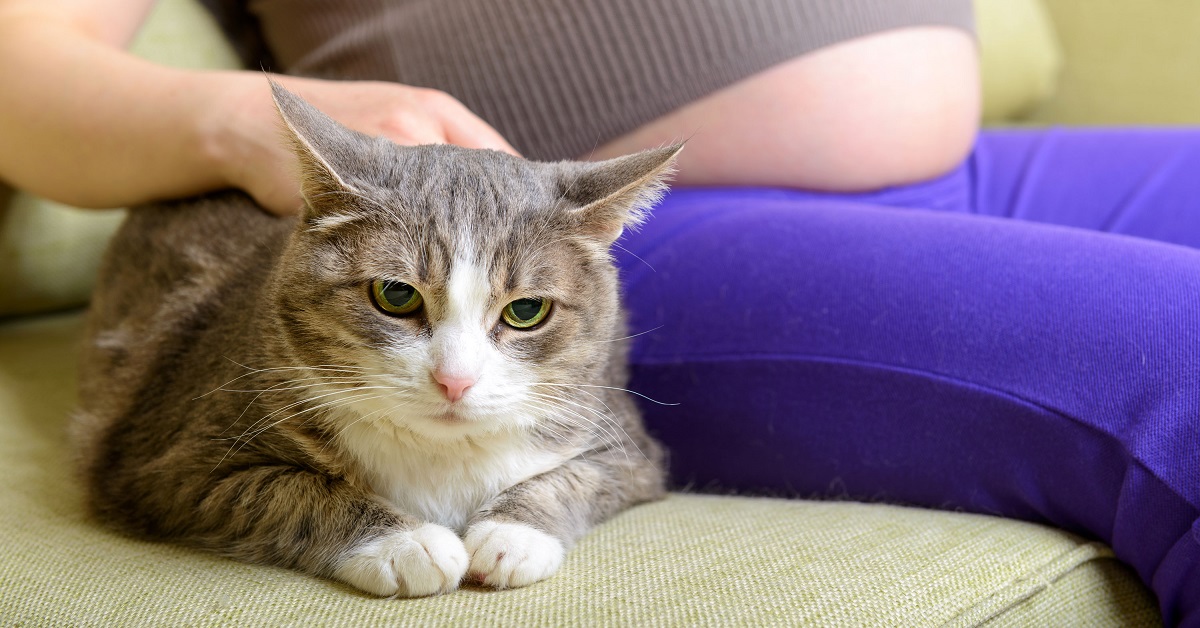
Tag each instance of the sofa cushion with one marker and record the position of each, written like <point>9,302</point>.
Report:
<point>1020,58</point>
<point>687,560</point>
<point>1125,63</point>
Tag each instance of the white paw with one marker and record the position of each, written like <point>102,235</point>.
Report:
<point>430,559</point>
<point>507,555</point>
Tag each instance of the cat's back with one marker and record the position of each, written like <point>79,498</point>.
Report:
<point>172,249</point>
<point>174,275</point>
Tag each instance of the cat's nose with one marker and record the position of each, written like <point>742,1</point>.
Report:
<point>453,386</point>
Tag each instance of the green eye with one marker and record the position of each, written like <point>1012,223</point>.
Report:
<point>395,297</point>
<point>525,313</point>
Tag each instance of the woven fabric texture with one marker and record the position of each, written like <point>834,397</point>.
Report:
<point>689,560</point>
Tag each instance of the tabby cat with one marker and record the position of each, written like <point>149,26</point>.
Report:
<point>416,381</point>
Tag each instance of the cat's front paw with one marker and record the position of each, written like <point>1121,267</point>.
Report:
<point>424,561</point>
<point>507,555</point>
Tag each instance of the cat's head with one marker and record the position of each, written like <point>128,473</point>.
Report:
<point>453,292</point>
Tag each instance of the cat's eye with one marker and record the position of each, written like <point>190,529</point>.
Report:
<point>525,313</point>
<point>395,297</point>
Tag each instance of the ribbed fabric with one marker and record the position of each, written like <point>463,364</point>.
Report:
<point>560,78</point>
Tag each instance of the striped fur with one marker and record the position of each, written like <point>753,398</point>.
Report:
<point>242,394</point>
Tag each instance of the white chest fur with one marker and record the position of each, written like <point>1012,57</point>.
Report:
<point>442,482</point>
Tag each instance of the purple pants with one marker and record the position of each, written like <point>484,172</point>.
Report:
<point>917,345</point>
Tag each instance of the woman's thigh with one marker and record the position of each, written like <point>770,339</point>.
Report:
<point>826,347</point>
<point>1138,182</point>
<point>885,109</point>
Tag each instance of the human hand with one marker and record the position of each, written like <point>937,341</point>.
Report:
<point>244,138</point>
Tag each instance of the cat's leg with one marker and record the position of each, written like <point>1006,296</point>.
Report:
<point>524,534</point>
<point>326,526</point>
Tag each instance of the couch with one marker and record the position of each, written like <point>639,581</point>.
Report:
<point>690,560</point>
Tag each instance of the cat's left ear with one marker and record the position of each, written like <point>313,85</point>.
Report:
<point>325,149</point>
<point>608,196</point>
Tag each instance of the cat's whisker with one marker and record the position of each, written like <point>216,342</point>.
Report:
<point>589,393</point>
<point>632,392</point>
<point>254,371</point>
<point>246,440</point>
<point>610,432</point>
<point>288,385</point>
<point>364,417</point>
<point>640,333</point>
<point>636,256</point>
<point>605,417</point>
<point>266,418</point>
<point>348,426</point>
<point>550,424</point>
<point>304,400</point>
<point>602,441</point>
<point>261,431</point>
<point>382,396</point>
<point>273,388</point>
<point>548,411</point>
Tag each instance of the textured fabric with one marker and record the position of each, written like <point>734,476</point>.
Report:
<point>559,78</point>
<point>690,560</point>
<point>957,358</point>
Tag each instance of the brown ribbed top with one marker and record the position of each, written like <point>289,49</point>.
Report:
<point>559,77</point>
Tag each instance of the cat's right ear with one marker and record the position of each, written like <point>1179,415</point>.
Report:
<point>611,195</point>
<point>325,150</point>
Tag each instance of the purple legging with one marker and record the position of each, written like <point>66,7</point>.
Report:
<point>1045,368</point>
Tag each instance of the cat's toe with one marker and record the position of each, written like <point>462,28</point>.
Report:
<point>427,560</point>
<point>507,555</point>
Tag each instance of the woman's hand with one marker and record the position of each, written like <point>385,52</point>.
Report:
<point>93,126</point>
<point>249,149</point>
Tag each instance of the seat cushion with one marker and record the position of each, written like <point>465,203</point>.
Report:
<point>687,560</point>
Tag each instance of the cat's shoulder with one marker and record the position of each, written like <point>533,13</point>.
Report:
<point>217,220</point>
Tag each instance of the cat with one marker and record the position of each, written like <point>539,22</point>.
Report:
<point>415,382</point>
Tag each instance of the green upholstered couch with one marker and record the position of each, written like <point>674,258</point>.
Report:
<point>686,561</point>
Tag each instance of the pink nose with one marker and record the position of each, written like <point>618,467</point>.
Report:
<point>453,386</point>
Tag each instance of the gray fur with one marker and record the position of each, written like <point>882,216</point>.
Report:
<point>200,300</point>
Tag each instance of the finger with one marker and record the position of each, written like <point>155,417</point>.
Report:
<point>410,128</point>
<point>467,129</point>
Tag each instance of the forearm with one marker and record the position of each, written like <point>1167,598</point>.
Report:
<point>88,124</point>
<point>85,123</point>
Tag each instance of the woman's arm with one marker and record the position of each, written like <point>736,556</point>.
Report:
<point>88,124</point>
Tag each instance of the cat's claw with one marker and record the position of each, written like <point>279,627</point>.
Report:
<point>427,560</point>
<point>505,555</point>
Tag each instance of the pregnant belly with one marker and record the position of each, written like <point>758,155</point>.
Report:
<point>887,109</point>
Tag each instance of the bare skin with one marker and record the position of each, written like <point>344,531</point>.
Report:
<point>94,126</point>
<point>887,109</point>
